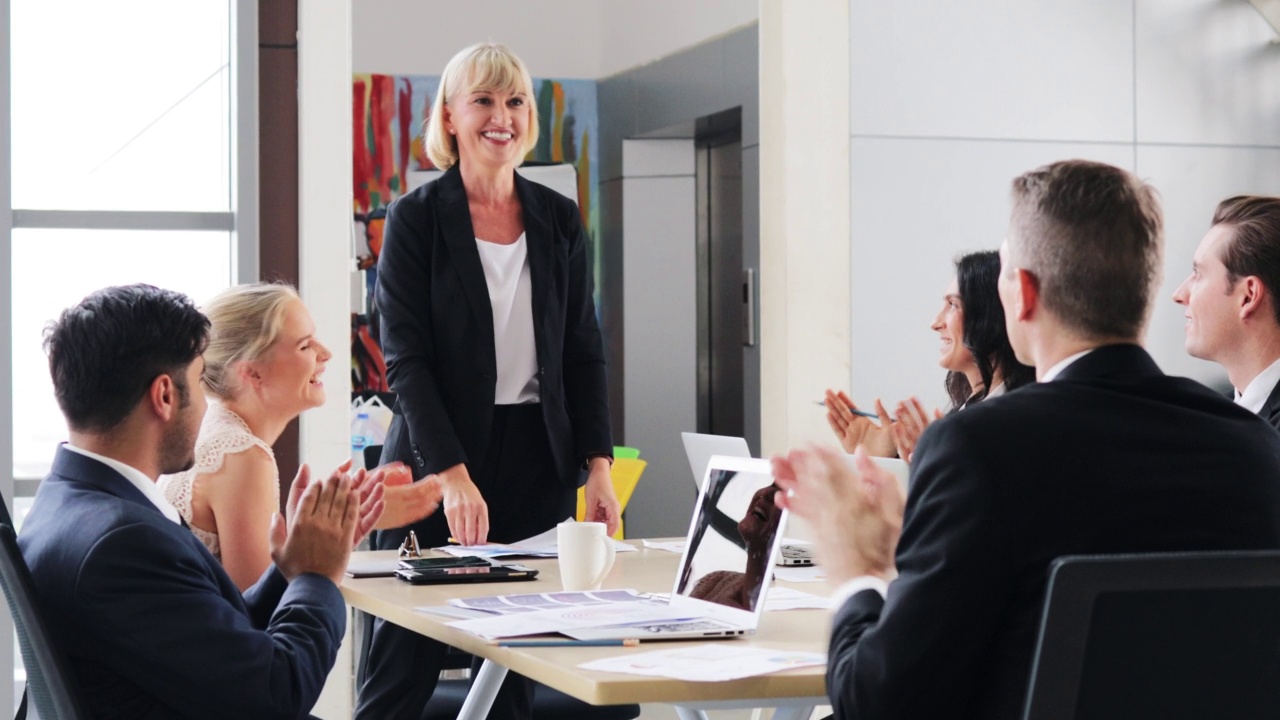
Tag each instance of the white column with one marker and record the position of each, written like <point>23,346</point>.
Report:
<point>804,215</point>
<point>324,250</point>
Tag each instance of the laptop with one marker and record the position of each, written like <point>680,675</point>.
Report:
<point>720,586</point>
<point>700,447</point>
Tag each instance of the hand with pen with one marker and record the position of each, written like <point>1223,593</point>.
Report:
<point>855,427</point>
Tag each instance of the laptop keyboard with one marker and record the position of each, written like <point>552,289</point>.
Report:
<point>683,626</point>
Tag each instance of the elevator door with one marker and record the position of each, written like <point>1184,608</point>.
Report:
<point>724,291</point>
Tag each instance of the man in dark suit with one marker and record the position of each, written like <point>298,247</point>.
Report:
<point>152,625</point>
<point>1105,454</point>
<point>1232,300</point>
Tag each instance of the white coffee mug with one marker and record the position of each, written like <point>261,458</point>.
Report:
<point>586,554</point>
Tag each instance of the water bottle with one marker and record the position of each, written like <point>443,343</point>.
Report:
<point>361,437</point>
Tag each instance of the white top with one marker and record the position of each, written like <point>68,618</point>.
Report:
<point>136,478</point>
<point>506,272</point>
<point>1259,389</point>
<point>222,433</point>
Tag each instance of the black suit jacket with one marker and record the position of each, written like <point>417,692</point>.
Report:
<point>437,329</point>
<point>1271,408</point>
<point>1111,457</point>
<point>152,625</point>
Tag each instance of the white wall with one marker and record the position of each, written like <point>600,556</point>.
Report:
<point>804,216</point>
<point>950,101</point>
<point>634,33</point>
<point>555,38</point>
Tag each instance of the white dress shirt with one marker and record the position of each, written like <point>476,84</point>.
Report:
<point>1062,364</point>
<point>506,272</point>
<point>145,485</point>
<point>1259,389</point>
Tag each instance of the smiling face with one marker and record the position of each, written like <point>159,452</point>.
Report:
<point>289,373</point>
<point>949,324</point>
<point>1211,300</point>
<point>490,126</point>
<point>760,523</point>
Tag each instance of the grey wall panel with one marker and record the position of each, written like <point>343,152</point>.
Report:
<point>660,382</point>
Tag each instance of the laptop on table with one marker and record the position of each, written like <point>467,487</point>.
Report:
<point>720,587</point>
<point>700,447</point>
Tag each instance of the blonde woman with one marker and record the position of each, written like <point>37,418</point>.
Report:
<point>263,367</point>
<point>492,349</point>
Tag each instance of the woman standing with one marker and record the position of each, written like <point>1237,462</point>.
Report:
<point>493,350</point>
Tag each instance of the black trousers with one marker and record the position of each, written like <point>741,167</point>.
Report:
<point>398,667</point>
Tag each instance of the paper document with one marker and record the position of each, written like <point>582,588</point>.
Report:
<point>710,662</point>
<point>557,620</point>
<point>782,598</point>
<point>530,602</point>
<point>541,545</point>
<point>675,546</point>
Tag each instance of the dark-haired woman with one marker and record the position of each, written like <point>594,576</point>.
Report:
<point>975,352</point>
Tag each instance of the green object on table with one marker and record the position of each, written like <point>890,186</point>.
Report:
<point>625,453</point>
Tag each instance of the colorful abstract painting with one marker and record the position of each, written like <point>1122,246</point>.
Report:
<point>389,112</point>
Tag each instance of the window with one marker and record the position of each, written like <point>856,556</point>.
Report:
<point>130,147</point>
<point>128,163</point>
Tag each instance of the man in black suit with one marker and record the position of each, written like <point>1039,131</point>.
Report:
<point>152,625</point>
<point>1232,300</point>
<point>1105,454</point>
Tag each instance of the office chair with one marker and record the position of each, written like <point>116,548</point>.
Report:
<point>1170,636</point>
<point>50,683</point>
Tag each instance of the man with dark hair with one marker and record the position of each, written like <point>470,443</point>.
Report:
<point>152,625</point>
<point>1232,300</point>
<point>941,600</point>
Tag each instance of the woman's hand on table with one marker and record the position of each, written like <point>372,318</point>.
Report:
<point>464,507</point>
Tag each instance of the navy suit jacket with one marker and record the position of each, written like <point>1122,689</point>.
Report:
<point>437,330</point>
<point>1111,457</point>
<point>152,625</point>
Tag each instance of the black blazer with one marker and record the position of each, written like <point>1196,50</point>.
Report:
<point>437,329</point>
<point>1111,457</point>
<point>1271,408</point>
<point>152,625</point>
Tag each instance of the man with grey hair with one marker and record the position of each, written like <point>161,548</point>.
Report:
<point>941,600</point>
<point>1232,300</point>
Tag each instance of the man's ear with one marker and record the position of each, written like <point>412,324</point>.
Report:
<point>1028,287</point>
<point>1252,295</point>
<point>163,397</point>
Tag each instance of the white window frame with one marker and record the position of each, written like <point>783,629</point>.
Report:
<point>241,220</point>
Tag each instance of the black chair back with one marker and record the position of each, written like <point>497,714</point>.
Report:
<point>51,687</point>
<point>1170,636</point>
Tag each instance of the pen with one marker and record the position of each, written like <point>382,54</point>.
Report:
<point>853,410</point>
<point>629,642</point>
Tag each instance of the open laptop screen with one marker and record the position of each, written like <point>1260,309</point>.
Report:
<point>733,537</point>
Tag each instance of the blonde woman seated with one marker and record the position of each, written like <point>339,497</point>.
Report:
<point>263,367</point>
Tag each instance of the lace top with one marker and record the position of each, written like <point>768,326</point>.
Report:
<point>222,433</point>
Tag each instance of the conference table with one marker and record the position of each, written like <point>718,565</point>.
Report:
<point>794,692</point>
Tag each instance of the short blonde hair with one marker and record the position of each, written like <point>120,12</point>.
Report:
<point>487,67</point>
<point>246,322</point>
